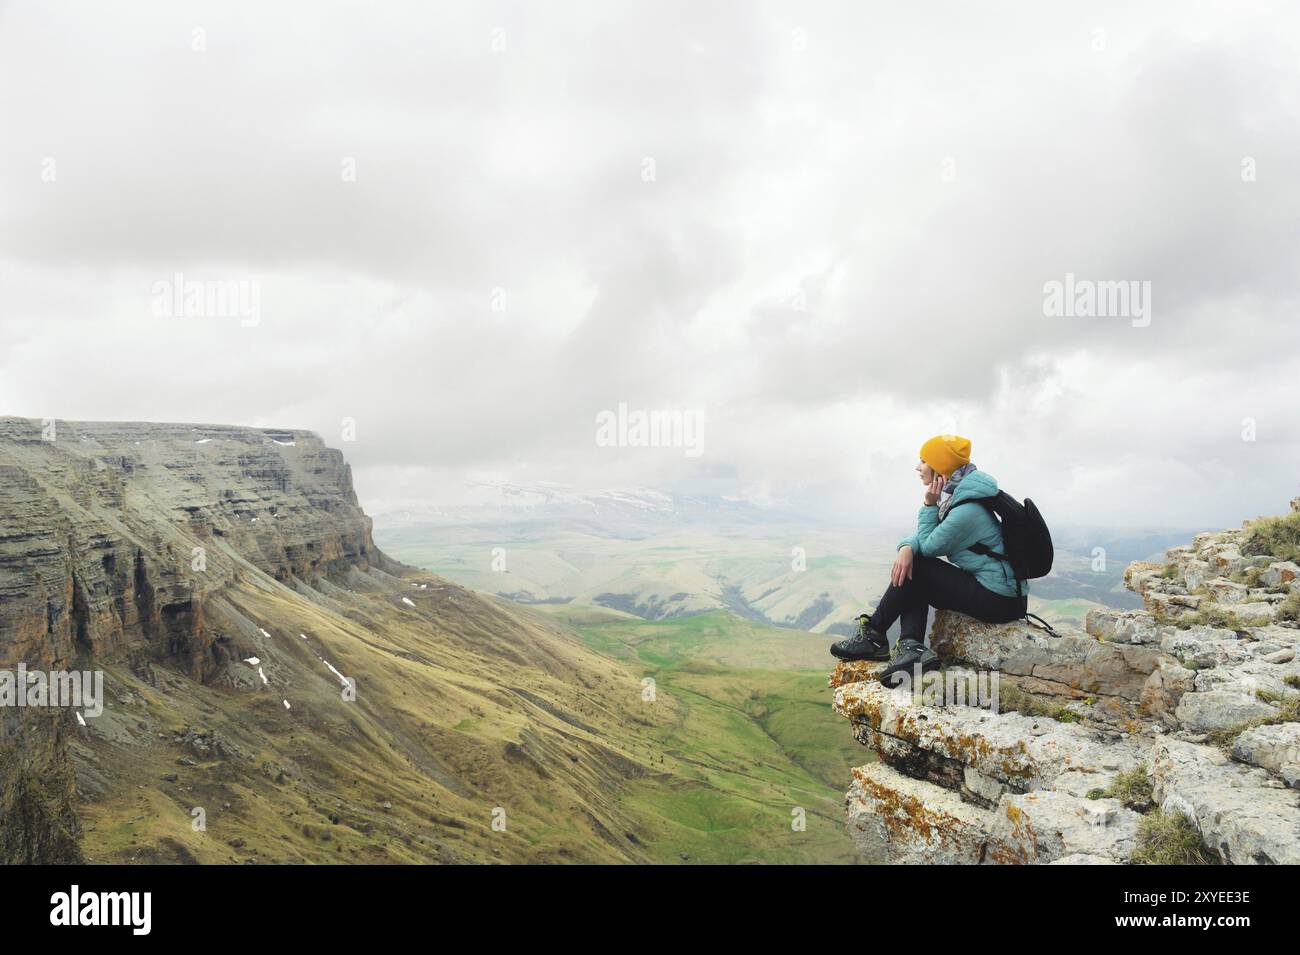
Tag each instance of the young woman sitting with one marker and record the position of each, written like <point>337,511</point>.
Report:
<point>950,523</point>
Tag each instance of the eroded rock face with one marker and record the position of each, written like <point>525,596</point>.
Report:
<point>116,543</point>
<point>1195,692</point>
<point>954,783</point>
<point>917,823</point>
<point>1017,753</point>
<point>114,536</point>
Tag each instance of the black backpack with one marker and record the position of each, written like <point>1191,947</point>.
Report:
<point>1026,541</point>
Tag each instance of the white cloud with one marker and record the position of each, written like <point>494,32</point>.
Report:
<point>801,268</point>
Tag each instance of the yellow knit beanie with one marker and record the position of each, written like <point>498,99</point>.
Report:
<point>946,452</point>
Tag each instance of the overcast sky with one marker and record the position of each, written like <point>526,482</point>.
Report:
<point>472,227</point>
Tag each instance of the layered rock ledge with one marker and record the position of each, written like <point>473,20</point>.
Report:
<point>117,543</point>
<point>1191,702</point>
<point>114,536</point>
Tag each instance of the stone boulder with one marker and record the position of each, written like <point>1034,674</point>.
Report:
<point>1275,748</point>
<point>1280,574</point>
<point>1266,674</point>
<point>1219,710</point>
<point>1256,612</point>
<point>1072,664</point>
<point>1042,827</point>
<point>1202,647</point>
<point>1141,575</point>
<point>1165,689</point>
<point>1223,591</point>
<point>1124,626</point>
<point>1243,813</point>
<point>1196,573</point>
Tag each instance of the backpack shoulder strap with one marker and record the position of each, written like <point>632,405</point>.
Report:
<point>985,502</point>
<point>984,550</point>
<point>1042,624</point>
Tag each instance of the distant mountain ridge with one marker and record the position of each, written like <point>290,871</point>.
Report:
<point>663,555</point>
<point>634,511</point>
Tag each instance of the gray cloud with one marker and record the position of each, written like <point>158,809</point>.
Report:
<point>799,267</point>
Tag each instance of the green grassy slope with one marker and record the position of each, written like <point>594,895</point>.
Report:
<point>465,705</point>
<point>756,748</point>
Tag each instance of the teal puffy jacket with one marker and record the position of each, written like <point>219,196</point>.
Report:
<point>967,524</point>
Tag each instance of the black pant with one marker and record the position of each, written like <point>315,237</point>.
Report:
<point>939,584</point>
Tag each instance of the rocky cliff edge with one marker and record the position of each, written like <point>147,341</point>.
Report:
<point>1174,725</point>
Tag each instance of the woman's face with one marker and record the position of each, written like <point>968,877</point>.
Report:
<point>926,472</point>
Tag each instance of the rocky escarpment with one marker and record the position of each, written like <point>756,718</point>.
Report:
<point>1080,747</point>
<point>116,541</point>
<point>113,537</point>
<point>274,688</point>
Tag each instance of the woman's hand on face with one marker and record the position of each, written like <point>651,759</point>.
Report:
<point>902,566</point>
<point>934,490</point>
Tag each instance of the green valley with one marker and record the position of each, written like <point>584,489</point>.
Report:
<point>756,752</point>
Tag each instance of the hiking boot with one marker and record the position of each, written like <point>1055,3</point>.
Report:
<point>867,644</point>
<point>911,656</point>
